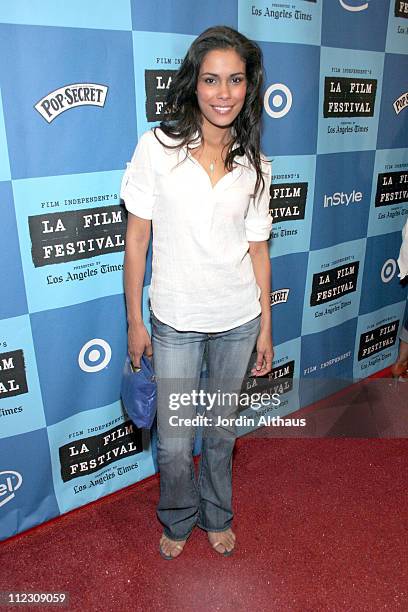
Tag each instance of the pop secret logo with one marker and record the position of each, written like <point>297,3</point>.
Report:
<point>70,96</point>
<point>401,103</point>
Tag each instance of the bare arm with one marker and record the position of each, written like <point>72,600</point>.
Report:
<point>261,264</point>
<point>137,243</point>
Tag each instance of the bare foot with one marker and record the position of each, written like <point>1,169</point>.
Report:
<point>222,541</point>
<point>171,548</point>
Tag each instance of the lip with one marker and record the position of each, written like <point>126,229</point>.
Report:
<point>222,110</point>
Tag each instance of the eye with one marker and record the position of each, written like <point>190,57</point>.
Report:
<point>208,80</point>
<point>237,79</point>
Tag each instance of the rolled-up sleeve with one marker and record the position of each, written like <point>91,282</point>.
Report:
<point>403,255</point>
<point>137,187</point>
<point>258,221</point>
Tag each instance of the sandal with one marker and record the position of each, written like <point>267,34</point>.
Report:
<point>226,553</point>
<point>177,545</point>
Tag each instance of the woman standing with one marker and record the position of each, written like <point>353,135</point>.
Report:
<point>399,369</point>
<point>200,181</point>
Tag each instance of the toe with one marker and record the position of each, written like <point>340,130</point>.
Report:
<point>229,545</point>
<point>225,539</point>
<point>171,548</point>
<point>165,546</point>
<point>229,540</point>
<point>220,548</point>
<point>175,552</point>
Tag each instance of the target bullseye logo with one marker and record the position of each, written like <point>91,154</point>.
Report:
<point>388,270</point>
<point>279,104</point>
<point>353,8</point>
<point>94,355</point>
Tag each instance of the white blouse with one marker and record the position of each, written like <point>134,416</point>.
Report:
<point>403,255</point>
<point>202,274</point>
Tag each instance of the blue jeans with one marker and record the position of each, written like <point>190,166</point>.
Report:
<point>178,358</point>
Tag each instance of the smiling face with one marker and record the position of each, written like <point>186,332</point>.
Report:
<point>221,87</point>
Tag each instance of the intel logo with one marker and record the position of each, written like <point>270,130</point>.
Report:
<point>9,483</point>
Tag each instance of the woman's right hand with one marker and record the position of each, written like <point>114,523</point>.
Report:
<point>139,342</point>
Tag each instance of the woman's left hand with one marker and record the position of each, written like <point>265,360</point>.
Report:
<point>264,354</point>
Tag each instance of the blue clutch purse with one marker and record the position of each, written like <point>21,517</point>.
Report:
<point>139,392</point>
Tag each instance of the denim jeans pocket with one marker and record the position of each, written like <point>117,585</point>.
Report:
<point>154,319</point>
<point>161,329</point>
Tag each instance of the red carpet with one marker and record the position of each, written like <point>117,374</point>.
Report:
<point>321,524</point>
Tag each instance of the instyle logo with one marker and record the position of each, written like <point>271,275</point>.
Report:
<point>13,380</point>
<point>280,296</point>
<point>339,197</point>
<point>157,83</point>
<point>288,201</point>
<point>10,482</point>
<point>354,8</point>
<point>401,103</point>
<point>392,188</point>
<point>88,455</point>
<point>280,103</point>
<point>78,234</point>
<point>401,9</point>
<point>377,339</point>
<point>71,96</point>
<point>346,97</point>
<point>332,284</point>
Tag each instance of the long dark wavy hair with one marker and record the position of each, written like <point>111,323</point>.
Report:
<point>183,115</point>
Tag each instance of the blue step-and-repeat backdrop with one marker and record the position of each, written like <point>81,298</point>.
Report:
<point>80,81</point>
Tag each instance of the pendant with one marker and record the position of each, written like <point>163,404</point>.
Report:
<point>212,167</point>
